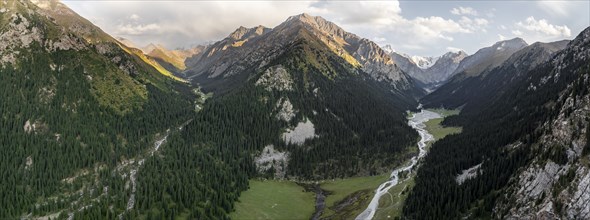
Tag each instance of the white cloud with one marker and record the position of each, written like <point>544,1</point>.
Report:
<point>355,12</point>
<point>464,11</point>
<point>544,27</point>
<point>386,17</point>
<point>134,17</point>
<point>501,37</point>
<point>491,13</point>
<point>517,32</point>
<point>379,40</point>
<point>476,24</point>
<point>184,23</point>
<point>177,24</point>
<point>427,29</point>
<point>139,29</point>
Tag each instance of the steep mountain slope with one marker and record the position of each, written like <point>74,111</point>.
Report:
<point>224,57</point>
<point>168,62</point>
<point>104,43</point>
<point>73,103</point>
<point>176,58</point>
<point>555,183</point>
<point>452,94</point>
<point>239,53</point>
<point>489,57</point>
<point>126,42</point>
<point>526,146</point>
<point>430,74</point>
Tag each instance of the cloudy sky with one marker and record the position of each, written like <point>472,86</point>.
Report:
<point>426,28</point>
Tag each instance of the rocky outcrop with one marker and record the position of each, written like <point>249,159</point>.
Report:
<point>19,34</point>
<point>556,183</point>
<point>35,127</point>
<point>276,78</point>
<point>468,174</point>
<point>286,112</point>
<point>270,158</point>
<point>303,131</point>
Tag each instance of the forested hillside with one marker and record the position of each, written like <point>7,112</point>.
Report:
<point>502,137</point>
<point>68,109</point>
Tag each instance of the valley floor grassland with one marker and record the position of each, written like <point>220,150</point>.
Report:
<point>436,129</point>
<point>349,197</point>
<point>346,198</point>
<point>391,206</point>
<point>273,199</point>
<point>445,112</point>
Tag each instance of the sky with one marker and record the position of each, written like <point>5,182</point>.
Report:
<point>423,28</point>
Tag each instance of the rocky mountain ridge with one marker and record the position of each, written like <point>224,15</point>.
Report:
<point>433,71</point>
<point>233,55</point>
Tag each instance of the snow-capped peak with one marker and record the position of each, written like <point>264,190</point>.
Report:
<point>388,49</point>
<point>424,62</point>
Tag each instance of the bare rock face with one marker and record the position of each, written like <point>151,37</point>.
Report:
<point>286,112</point>
<point>66,42</point>
<point>276,78</point>
<point>579,203</point>
<point>20,33</point>
<point>34,127</point>
<point>28,162</point>
<point>547,190</point>
<point>270,158</point>
<point>552,187</point>
<point>28,127</point>
<point>468,174</point>
<point>303,131</point>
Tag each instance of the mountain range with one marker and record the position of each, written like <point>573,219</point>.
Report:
<point>97,127</point>
<point>430,72</point>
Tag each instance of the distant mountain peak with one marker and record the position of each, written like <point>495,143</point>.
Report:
<point>455,53</point>
<point>510,44</point>
<point>316,22</point>
<point>424,62</point>
<point>126,42</point>
<point>302,17</point>
<point>150,47</point>
<point>388,49</point>
<point>455,56</point>
<point>243,33</point>
<point>228,56</point>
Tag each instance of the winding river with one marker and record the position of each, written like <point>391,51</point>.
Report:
<point>417,122</point>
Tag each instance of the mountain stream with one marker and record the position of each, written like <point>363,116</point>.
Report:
<point>417,122</point>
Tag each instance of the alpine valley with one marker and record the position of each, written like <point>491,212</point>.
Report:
<point>303,120</point>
